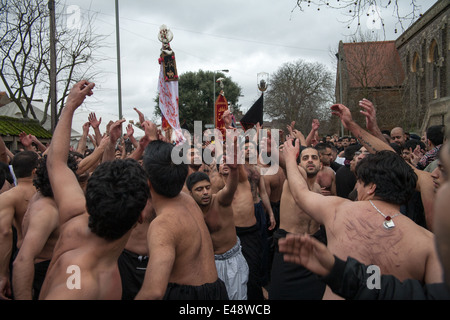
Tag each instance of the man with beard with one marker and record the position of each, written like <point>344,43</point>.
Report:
<point>290,281</point>
<point>231,265</point>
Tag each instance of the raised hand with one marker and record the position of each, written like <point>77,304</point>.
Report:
<point>343,113</point>
<point>141,116</point>
<point>130,130</point>
<point>115,131</point>
<point>290,150</point>
<point>78,93</point>
<point>150,130</point>
<point>370,113</point>
<point>26,140</point>
<point>93,120</point>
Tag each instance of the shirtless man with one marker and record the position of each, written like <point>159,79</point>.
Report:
<point>94,227</point>
<point>397,245</point>
<point>289,281</point>
<point>181,256</point>
<point>14,204</point>
<point>40,228</point>
<point>231,265</point>
<point>326,177</point>
<point>263,208</point>
<point>247,230</point>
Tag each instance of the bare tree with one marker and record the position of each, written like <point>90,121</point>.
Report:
<point>300,91</point>
<point>25,56</point>
<point>355,10</point>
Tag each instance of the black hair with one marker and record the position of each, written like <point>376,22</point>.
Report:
<point>436,134</point>
<point>395,180</point>
<point>23,163</point>
<point>412,144</point>
<point>116,193</point>
<point>41,180</point>
<point>349,152</point>
<point>167,178</point>
<point>195,177</point>
<point>397,148</point>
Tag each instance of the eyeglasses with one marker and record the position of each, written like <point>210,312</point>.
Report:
<point>357,153</point>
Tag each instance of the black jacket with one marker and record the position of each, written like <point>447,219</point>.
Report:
<point>349,278</point>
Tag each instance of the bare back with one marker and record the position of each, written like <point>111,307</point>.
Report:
<point>180,248</point>
<point>96,262</point>
<point>43,213</point>
<point>17,199</point>
<point>406,251</point>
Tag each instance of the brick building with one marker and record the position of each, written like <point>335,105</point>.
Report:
<point>407,79</point>
<point>425,53</point>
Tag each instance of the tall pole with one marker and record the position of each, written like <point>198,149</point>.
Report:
<point>54,114</point>
<point>119,76</point>
<point>340,87</point>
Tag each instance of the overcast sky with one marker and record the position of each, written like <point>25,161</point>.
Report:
<point>245,37</point>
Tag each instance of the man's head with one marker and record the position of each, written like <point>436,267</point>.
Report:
<point>439,175</point>
<point>325,153</point>
<point>199,185</point>
<point>358,156</point>
<point>435,136</point>
<point>345,142</point>
<point>116,194</point>
<point>195,157</point>
<point>24,163</point>
<point>408,148</point>
<point>310,161</point>
<point>41,180</point>
<point>166,178</point>
<point>394,179</point>
<point>398,136</point>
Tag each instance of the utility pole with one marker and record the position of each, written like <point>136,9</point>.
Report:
<point>54,113</point>
<point>119,81</point>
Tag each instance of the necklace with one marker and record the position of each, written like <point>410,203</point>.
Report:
<point>388,222</point>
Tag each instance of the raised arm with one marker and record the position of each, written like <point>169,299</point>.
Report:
<point>311,138</point>
<point>94,158</point>
<point>150,135</point>
<point>372,143</point>
<point>369,111</point>
<point>95,124</point>
<point>68,195</point>
<point>5,153</point>
<point>82,142</point>
<point>226,195</point>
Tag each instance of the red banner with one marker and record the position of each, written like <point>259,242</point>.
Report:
<point>220,107</point>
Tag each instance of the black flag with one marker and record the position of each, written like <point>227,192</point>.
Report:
<point>254,114</point>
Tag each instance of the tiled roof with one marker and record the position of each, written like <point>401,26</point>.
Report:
<point>13,127</point>
<point>373,64</point>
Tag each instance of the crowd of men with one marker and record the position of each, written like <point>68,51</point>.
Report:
<point>122,220</point>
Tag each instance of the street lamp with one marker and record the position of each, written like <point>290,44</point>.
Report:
<point>214,99</point>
